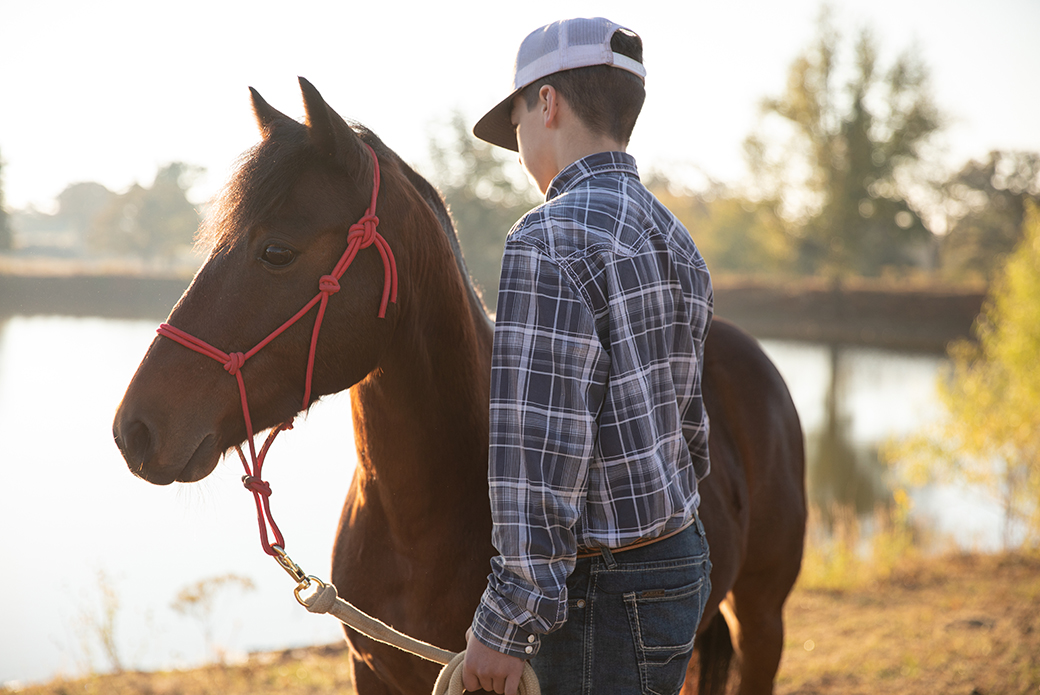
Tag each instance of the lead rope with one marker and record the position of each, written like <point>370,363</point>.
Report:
<point>361,235</point>
<point>449,681</point>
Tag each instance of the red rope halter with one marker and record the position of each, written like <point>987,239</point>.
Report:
<point>361,235</point>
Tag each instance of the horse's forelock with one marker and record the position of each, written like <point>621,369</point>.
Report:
<point>263,177</point>
<point>260,181</point>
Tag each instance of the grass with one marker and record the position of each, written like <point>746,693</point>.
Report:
<point>292,672</point>
<point>838,555</point>
<point>948,624</point>
<point>867,616</point>
<point>879,615</point>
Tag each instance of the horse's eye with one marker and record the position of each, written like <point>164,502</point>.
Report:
<point>278,255</point>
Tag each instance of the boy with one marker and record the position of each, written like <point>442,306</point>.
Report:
<point>598,432</point>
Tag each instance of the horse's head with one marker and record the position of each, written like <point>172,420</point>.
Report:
<point>279,226</point>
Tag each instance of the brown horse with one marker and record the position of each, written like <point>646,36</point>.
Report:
<point>414,538</point>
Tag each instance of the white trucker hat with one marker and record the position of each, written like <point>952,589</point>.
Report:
<point>562,45</point>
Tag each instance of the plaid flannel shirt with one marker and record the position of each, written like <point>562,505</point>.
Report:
<point>598,431</point>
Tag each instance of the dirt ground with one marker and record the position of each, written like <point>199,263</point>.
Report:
<point>956,625</point>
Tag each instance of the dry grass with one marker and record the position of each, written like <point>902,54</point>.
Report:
<point>839,555</point>
<point>954,624</point>
<point>292,672</point>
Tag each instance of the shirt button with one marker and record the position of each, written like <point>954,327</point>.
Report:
<point>529,650</point>
<point>530,638</point>
<point>581,603</point>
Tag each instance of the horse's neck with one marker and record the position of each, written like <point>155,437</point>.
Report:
<point>421,418</point>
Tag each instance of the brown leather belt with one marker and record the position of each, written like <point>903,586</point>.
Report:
<point>638,544</point>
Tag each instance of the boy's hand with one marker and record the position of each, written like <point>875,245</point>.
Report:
<point>486,669</point>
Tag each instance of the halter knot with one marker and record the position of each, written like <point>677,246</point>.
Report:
<point>366,227</point>
<point>234,363</point>
<point>360,235</point>
<point>254,484</point>
<point>328,284</point>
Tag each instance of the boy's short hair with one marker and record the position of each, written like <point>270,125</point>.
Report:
<point>595,64</point>
<point>607,100</point>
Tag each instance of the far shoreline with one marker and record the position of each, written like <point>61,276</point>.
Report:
<point>918,315</point>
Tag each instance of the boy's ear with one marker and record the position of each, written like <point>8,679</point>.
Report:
<point>549,100</point>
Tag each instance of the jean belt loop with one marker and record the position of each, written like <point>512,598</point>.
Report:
<point>608,557</point>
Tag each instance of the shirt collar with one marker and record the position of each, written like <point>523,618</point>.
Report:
<point>585,168</point>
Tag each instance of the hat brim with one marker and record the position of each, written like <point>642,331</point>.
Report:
<point>497,127</point>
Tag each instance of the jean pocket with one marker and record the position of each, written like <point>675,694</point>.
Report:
<point>664,623</point>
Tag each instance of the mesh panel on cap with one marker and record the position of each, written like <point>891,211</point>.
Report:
<point>562,46</point>
<point>584,32</point>
<point>536,46</point>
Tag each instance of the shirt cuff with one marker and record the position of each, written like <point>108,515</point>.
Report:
<point>495,631</point>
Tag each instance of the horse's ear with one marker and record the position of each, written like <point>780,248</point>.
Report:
<point>266,114</point>
<point>329,132</point>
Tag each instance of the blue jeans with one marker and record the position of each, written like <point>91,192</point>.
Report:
<point>631,620</point>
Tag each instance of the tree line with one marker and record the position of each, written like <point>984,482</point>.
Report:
<point>844,181</point>
<point>149,222</point>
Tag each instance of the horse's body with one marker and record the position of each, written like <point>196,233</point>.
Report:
<point>414,538</point>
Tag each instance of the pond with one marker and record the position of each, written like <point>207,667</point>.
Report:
<point>84,539</point>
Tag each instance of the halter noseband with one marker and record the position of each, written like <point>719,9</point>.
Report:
<point>362,234</point>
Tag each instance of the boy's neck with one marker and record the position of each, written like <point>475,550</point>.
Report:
<point>577,143</point>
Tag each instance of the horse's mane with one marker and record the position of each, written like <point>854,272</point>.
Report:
<point>436,202</point>
<point>264,175</point>
<point>433,198</point>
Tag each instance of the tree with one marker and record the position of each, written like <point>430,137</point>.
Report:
<point>733,234</point>
<point>989,199</point>
<point>6,233</point>
<point>80,203</point>
<point>849,162</point>
<point>486,196</point>
<point>994,395</point>
<point>992,434</point>
<point>149,222</point>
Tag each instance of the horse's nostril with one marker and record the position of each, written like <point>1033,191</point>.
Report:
<point>135,441</point>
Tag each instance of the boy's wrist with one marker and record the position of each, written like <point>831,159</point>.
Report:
<point>496,632</point>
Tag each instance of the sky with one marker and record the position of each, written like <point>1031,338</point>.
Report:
<point>111,90</point>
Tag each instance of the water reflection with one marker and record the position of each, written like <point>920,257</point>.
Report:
<point>841,474</point>
<point>851,400</point>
